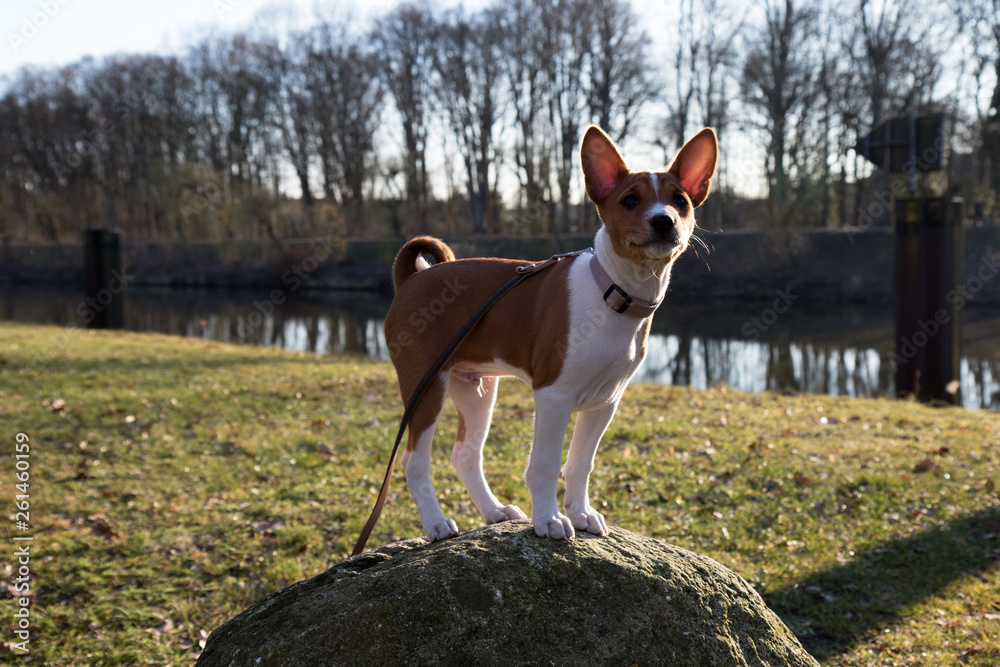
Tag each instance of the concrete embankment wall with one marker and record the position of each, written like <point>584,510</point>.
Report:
<point>833,266</point>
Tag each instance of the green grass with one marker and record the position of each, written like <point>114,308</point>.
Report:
<point>174,482</point>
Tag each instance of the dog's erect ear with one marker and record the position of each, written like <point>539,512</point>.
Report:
<point>694,165</point>
<point>603,166</point>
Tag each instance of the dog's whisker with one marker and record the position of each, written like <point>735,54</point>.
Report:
<point>700,241</point>
<point>698,255</point>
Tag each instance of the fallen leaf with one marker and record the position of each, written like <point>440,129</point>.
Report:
<point>266,528</point>
<point>969,654</point>
<point>103,529</point>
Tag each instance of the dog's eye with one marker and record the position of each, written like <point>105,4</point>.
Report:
<point>680,200</point>
<point>630,201</point>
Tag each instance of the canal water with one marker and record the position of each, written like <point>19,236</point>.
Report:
<point>833,350</point>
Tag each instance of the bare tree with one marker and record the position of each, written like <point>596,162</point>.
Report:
<point>897,61</point>
<point>568,28</point>
<point>981,20</point>
<point>684,72</point>
<point>235,100</point>
<point>779,85</point>
<point>700,76</point>
<point>619,84</point>
<point>405,41</point>
<point>527,57</point>
<point>347,96</point>
<point>468,64</point>
<point>289,70</point>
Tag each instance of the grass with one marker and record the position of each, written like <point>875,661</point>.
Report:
<point>174,482</point>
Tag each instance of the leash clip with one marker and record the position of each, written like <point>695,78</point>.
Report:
<point>538,266</point>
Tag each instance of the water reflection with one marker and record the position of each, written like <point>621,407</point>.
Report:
<point>834,351</point>
<point>755,366</point>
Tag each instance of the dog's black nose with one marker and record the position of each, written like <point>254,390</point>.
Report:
<point>662,224</point>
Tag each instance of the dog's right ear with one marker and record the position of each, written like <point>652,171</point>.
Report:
<point>603,166</point>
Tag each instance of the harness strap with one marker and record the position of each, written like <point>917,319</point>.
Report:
<point>522,272</point>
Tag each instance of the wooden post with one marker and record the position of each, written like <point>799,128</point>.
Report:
<point>908,355</point>
<point>104,280</point>
<point>930,238</point>
<point>929,272</point>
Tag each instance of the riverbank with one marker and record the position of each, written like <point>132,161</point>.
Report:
<point>815,265</point>
<point>175,481</point>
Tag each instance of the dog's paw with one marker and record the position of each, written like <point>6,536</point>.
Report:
<point>589,520</point>
<point>505,513</point>
<point>441,530</point>
<point>557,527</point>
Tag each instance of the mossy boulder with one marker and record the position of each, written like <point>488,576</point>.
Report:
<point>500,595</point>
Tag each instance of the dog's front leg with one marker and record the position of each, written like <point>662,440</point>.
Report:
<point>552,414</point>
<point>590,427</point>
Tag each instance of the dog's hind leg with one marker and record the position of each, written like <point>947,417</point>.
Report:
<point>417,462</point>
<point>474,398</point>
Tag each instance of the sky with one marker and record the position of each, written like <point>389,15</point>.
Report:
<point>58,32</point>
<point>52,33</point>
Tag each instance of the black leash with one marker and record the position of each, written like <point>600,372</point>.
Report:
<point>522,273</point>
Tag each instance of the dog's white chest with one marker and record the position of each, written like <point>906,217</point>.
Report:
<point>604,349</point>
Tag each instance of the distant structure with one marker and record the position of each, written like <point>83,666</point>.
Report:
<point>103,280</point>
<point>929,250</point>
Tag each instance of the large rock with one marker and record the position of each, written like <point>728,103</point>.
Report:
<point>502,596</point>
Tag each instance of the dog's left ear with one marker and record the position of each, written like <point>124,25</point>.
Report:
<point>603,166</point>
<point>694,165</point>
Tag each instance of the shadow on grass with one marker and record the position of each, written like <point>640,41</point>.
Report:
<point>834,610</point>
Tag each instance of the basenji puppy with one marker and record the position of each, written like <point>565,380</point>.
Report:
<point>575,332</point>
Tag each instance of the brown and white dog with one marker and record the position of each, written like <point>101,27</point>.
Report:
<point>575,332</point>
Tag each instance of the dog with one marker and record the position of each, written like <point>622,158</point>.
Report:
<point>575,332</point>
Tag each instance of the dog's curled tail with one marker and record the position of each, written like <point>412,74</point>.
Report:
<point>410,258</point>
